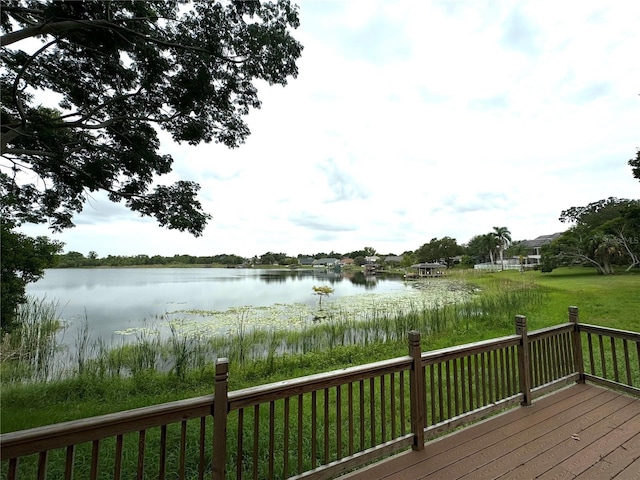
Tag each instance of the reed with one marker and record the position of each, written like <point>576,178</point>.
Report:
<point>29,351</point>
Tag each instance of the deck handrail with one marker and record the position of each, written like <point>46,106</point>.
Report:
<point>322,425</point>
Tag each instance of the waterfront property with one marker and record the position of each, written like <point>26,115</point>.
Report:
<point>571,394</point>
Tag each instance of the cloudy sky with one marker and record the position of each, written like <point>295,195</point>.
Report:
<point>412,120</point>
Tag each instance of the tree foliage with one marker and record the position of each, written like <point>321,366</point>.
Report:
<point>23,261</point>
<point>604,233</point>
<point>634,163</point>
<point>119,72</point>
<point>439,249</point>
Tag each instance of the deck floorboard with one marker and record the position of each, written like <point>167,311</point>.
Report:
<point>581,432</point>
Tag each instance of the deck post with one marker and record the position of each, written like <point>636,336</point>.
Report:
<point>524,360</point>
<point>416,385</point>
<point>576,341</point>
<point>220,410</point>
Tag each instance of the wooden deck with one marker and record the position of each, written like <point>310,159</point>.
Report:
<point>581,432</point>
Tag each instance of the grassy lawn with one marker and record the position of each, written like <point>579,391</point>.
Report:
<point>612,301</point>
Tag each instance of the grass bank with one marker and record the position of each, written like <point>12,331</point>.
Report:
<point>263,357</point>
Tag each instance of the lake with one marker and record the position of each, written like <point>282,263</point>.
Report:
<point>120,301</point>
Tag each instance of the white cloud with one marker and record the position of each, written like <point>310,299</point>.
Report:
<point>413,120</point>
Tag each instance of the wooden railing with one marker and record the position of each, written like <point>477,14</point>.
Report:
<point>322,425</point>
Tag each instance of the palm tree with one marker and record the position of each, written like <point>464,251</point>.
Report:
<point>503,238</point>
<point>489,244</point>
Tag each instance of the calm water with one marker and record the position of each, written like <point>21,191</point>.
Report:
<point>118,299</point>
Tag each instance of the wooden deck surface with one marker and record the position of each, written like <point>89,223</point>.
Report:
<point>581,432</point>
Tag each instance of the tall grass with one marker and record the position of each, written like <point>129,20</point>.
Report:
<point>29,351</point>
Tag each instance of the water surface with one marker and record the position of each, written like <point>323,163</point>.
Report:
<point>122,299</point>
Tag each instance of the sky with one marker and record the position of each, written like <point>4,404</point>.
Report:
<point>408,121</point>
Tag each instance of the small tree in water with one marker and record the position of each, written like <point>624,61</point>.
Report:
<point>322,291</point>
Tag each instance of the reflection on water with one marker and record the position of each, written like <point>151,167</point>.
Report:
<point>119,299</point>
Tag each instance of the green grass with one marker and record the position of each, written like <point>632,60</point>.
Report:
<point>603,300</point>
<point>611,300</point>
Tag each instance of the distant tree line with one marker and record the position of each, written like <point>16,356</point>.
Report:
<point>79,260</point>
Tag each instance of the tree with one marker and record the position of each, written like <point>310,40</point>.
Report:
<point>603,234</point>
<point>517,249</point>
<point>122,70</point>
<point>23,261</point>
<point>578,246</point>
<point>489,244</point>
<point>626,230</point>
<point>439,249</point>
<point>503,238</point>
<point>322,291</point>
<point>595,214</point>
<point>634,163</point>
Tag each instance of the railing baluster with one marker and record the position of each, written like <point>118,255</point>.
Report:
<point>463,385</point>
<point>68,464</point>
<point>432,394</point>
<point>372,410</point>
<point>533,364</point>
<point>490,390</point>
<point>603,361</point>
<point>256,438</point>
<point>272,428</point>
<point>300,417</point>
<point>95,453</point>
<point>339,421</point>
<point>240,446</point>
<point>566,357</point>
<point>548,355</point>
<point>201,447</point>
<point>141,445</point>
<point>403,428</point>
<point>183,450</point>
<point>362,423</point>
<point>448,389</point>
<point>163,452</point>
<point>456,388</point>
<point>350,419</point>
<point>614,360</point>
<point>505,374</point>
<point>540,358</point>
<point>13,469</point>
<point>383,407</point>
<point>42,465</point>
<point>117,468</point>
<point>286,433</point>
<point>627,363</point>
<point>509,373</point>
<point>483,373</point>
<point>470,381</point>
<point>440,394</point>
<point>592,363</point>
<point>314,429</point>
<point>394,411</point>
<point>326,426</point>
<point>558,357</point>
